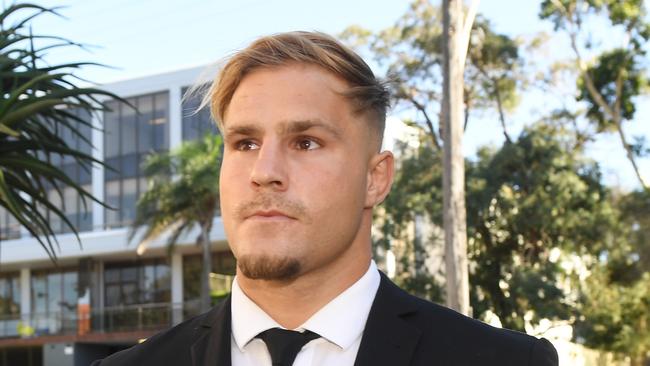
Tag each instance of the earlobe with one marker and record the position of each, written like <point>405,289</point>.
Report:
<point>380,178</point>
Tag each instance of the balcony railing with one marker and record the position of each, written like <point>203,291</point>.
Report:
<point>82,321</point>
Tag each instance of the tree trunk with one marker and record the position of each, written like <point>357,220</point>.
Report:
<point>454,50</point>
<point>205,269</point>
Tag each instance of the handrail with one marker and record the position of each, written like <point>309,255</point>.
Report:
<point>84,320</point>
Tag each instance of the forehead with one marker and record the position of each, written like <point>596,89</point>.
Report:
<point>295,92</point>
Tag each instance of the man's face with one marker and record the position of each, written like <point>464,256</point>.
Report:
<point>295,171</point>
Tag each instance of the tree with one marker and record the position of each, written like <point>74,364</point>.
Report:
<point>416,192</point>
<point>40,102</point>
<point>456,31</point>
<point>536,205</point>
<point>411,52</point>
<point>183,193</point>
<point>610,83</point>
<point>615,298</point>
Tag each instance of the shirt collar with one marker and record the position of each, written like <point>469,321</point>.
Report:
<point>341,321</point>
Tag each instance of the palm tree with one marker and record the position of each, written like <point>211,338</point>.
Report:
<point>183,192</point>
<point>39,101</point>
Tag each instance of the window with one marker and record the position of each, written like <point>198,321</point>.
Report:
<point>9,227</point>
<point>9,304</point>
<point>55,296</point>
<point>129,137</point>
<point>137,283</point>
<point>196,124</point>
<point>223,271</point>
<point>137,295</point>
<point>71,203</point>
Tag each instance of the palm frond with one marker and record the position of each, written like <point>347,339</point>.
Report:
<point>39,103</point>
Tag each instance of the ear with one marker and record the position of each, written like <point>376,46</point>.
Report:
<point>380,178</point>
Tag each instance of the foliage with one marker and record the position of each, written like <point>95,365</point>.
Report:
<point>416,192</point>
<point>528,199</point>
<point>411,54</point>
<point>614,311</point>
<point>619,79</point>
<point>183,191</point>
<point>525,200</point>
<point>39,101</point>
<point>610,84</point>
<point>614,316</point>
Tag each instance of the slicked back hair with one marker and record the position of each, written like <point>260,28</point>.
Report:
<point>368,94</point>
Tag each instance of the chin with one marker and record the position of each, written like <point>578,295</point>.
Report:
<point>269,267</point>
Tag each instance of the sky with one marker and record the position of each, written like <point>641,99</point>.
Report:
<point>143,37</point>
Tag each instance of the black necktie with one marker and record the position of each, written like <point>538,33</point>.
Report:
<point>284,345</point>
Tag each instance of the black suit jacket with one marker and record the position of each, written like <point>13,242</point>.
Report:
<point>402,330</point>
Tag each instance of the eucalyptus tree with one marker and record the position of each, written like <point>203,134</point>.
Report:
<point>411,53</point>
<point>611,65</point>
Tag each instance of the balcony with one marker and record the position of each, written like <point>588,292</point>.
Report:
<point>84,323</point>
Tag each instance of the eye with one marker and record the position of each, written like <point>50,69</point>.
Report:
<point>245,145</point>
<point>307,144</point>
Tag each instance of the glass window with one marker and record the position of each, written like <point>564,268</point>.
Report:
<point>9,295</point>
<point>129,198</point>
<point>159,122</point>
<point>55,222</point>
<point>84,215</point>
<point>139,134</point>
<point>134,283</point>
<point>195,124</point>
<point>79,215</point>
<point>145,128</point>
<point>223,271</point>
<point>54,292</point>
<point>112,197</point>
<point>9,228</point>
<point>111,130</point>
<point>54,300</point>
<point>128,130</point>
<point>39,294</point>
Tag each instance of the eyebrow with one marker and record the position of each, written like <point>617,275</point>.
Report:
<point>285,128</point>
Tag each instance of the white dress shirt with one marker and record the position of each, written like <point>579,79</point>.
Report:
<point>340,324</point>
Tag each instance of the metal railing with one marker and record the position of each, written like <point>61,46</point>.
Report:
<point>84,320</point>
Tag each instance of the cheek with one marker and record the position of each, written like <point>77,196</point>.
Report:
<point>333,186</point>
<point>230,181</point>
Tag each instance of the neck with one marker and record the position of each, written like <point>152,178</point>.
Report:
<point>291,303</point>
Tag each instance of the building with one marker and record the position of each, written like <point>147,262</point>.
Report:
<point>102,296</point>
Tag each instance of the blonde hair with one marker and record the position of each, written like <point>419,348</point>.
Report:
<point>369,95</point>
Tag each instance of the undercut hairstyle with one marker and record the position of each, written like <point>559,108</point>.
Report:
<point>369,95</point>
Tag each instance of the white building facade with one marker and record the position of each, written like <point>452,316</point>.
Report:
<point>101,296</point>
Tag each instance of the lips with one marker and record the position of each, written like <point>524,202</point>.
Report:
<point>270,215</point>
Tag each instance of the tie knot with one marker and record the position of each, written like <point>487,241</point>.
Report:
<point>284,345</point>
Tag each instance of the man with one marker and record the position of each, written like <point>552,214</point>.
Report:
<point>302,118</point>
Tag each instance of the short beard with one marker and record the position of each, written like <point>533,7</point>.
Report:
<point>263,267</point>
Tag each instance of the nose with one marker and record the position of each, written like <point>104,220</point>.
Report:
<point>269,169</point>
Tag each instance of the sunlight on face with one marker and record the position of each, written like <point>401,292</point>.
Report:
<point>294,174</point>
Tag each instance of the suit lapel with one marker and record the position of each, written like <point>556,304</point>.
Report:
<point>387,338</point>
<point>211,345</point>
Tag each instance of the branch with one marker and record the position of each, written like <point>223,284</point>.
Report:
<point>467,28</point>
<point>613,113</point>
<point>502,117</point>
<point>621,133</point>
<point>582,67</point>
<point>432,133</point>
<point>467,109</point>
<point>497,94</point>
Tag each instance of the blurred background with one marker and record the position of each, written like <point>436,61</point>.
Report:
<point>109,220</point>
